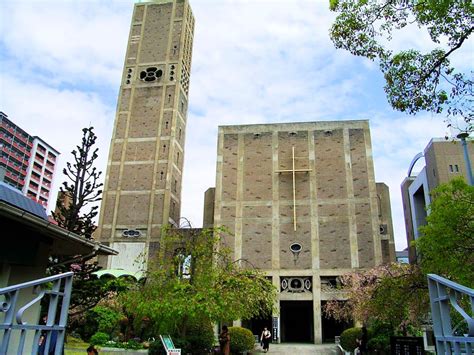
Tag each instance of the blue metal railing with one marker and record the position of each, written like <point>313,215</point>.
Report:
<point>58,288</point>
<point>444,297</point>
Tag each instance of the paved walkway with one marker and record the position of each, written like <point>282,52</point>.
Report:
<point>275,349</point>
<point>300,349</point>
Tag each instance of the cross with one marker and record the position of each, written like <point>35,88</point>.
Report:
<point>293,171</point>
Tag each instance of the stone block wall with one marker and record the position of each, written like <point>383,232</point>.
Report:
<point>332,193</point>
<point>143,181</point>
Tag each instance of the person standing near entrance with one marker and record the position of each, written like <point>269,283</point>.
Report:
<point>265,339</point>
<point>362,341</point>
<point>224,341</point>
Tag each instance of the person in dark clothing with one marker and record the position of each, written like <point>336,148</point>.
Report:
<point>265,339</point>
<point>91,350</point>
<point>224,341</point>
<point>362,341</point>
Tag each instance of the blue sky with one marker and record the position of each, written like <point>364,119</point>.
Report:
<point>253,62</point>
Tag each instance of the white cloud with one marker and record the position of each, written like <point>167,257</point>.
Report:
<point>253,62</point>
<point>57,117</point>
<point>66,41</point>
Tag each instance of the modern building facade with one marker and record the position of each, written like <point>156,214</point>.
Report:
<point>444,160</point>
<point>301,203</point>
<point>27,162</point>
<point>145,166</point>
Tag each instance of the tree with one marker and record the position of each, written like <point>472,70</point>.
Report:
<point>194,279</point>
<point>81,188</point>
<point>393,294</point>
<point>446,245</point>
<point>415,81</point>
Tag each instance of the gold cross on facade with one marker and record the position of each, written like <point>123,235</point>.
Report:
<point>293,171</point>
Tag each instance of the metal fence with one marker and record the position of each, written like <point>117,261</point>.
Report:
<point>57,290</point>
<point>445,297</point>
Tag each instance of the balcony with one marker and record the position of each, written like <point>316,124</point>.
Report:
<point>5,138</point>
<point>8,127</point>
<point>20,148</point>
<point>21,137</point>
<point>13,176</point>
<point>13,166</point>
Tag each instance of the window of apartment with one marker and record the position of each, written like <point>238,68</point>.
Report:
<point>451,170</point>
<point>456,168</point>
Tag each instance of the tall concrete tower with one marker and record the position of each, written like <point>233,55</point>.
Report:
<point>144,172</point>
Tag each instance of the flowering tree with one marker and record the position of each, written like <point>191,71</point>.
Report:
<point>394,294</point>
<point>194,279</point>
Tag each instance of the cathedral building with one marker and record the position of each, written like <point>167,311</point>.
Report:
<point>300,199</point>
<point>301,203</point>
<point>145,167</point>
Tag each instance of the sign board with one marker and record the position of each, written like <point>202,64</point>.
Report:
<point>407,346</point>
<point>275,329</point>
<point>169,346</point>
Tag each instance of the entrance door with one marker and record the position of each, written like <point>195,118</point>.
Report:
<point>332,327</point>
<point>256,325</point>
<point>296,321</point>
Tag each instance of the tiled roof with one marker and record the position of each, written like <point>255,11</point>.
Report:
<point>15,198</point>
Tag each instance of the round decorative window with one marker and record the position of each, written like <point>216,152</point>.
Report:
<point>151,74</point>
<point>295,247</point>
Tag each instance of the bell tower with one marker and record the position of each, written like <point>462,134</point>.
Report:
<point>142,189</point>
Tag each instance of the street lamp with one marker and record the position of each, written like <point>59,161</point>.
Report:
<point>463,128</point>
<point>462,136</point>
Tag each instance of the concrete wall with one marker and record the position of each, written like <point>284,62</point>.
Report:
<point>334,198</point>
<point>144,173</point>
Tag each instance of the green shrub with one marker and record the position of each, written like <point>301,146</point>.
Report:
<point>99,338</point>
<point>241,339</point>
<point>98,319</point>
<point>199,338</point>
<point>380,343</point>
<point>107,318</point>
<point>349,338</point>
<point>133,345</point>
<point>156,348</point>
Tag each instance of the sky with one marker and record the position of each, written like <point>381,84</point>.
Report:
<point>254,61</point>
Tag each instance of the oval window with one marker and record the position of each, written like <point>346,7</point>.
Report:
<point>295,247</point>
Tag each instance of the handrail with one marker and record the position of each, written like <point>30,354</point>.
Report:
<point>51,335</point>
<point>444,298</point>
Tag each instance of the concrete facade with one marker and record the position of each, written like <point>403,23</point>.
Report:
<point>27,162</point>
<point>301,204</point>
<point>444,160</point>
<point>144,172</point>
